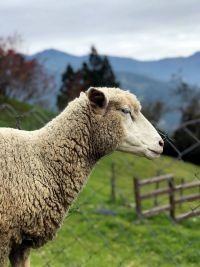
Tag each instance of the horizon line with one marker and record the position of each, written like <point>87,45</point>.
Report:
<point>112,55</point>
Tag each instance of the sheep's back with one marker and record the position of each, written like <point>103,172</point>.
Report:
<point>16,165</point>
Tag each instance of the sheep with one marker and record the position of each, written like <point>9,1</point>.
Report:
<point>43,171</point>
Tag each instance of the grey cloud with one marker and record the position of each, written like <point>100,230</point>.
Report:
<point>114,25</point>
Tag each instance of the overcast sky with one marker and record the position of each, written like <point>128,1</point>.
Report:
<point>143,29</point>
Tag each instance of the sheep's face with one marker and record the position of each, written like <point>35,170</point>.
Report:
<point>140,137</point>
<point>121,116</point>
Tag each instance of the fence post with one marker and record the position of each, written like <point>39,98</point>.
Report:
<point>137,197</point>
<point>113,183</point>
<point>172,198</point>
<point>158,173</point>
<point>18,122</point>
<point>181,191</point>
<point>155,197</point>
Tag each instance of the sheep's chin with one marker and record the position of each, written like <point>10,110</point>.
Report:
<point>149,154</point>
<point>141,152</point>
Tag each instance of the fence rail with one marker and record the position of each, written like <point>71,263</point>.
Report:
<point>155,179</point>
<point>187,215</point>
<point>170,190</point>
<point>155,210</point>
<point>187,185</point>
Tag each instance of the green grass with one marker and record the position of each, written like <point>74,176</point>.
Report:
<point>14,114</point>
<point>100,233</point>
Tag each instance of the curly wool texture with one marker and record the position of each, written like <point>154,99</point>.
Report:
<point>43,171</point>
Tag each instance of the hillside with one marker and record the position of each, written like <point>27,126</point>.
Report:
<point>16,114</point>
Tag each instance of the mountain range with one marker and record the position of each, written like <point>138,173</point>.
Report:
<point>162,69</point>
<point>150,80</point>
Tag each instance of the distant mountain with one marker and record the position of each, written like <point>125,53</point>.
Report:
<point>56,61</point>
<point>187,67</point>
<point>148,89</point>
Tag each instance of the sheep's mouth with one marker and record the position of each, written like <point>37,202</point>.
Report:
<point>158,153</point>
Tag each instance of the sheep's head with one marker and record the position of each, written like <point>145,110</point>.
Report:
<point>121,125</point>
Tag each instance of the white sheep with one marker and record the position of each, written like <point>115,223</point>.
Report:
<point>43,171</point>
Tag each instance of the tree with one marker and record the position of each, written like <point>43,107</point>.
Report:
<point>95,60</point>
<point>96,72</point>
<point>108,74</point>
<point>100,70</point>
<point>20,78</point>
<point>186,137</point>
<point>67,80</point>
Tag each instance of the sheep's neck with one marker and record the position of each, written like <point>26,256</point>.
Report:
<point>71,156</point>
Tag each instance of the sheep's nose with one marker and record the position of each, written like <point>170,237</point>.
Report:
<point>161,143</point>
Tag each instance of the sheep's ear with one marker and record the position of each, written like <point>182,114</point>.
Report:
<point>97,99</point>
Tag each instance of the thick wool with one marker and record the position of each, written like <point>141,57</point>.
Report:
<point>43,171</point>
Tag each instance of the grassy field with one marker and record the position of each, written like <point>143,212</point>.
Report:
<point>99,233</point>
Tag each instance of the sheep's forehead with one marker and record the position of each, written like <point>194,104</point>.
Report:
<point>122,98</point>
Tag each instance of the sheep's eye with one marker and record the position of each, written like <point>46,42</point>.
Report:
<point>126,111</point>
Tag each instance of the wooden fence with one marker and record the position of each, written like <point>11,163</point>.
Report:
<point>171,191</point>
